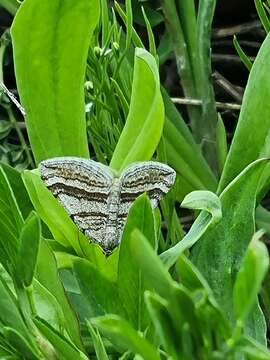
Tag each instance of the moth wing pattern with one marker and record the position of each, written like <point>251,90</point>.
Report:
<point>82,186</point>
<point>149,177</point>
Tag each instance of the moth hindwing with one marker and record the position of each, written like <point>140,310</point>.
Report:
<point>99,201</point>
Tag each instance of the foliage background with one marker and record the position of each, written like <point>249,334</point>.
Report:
<point>175,289</point>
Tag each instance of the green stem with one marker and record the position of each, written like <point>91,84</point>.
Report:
<point>2,52</point>
<point>20,136</point>
<point>30,295</point>
<point>180,46</point>
<point>208,122</point>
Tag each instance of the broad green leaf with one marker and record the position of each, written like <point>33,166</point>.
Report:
<point>50,62</point>
<point>251,138</point>
<point>190,276</point>
<point>154,272</point>
<point>130,284</point>
<point>9,207</point>
<point>47,307</point>
<point>10,314</point>
<point>52,212</point>
<point>16,340</point>
<point>181,307</point>
<point>59,222</point>
<point>144,125</point>
<point>15,180</point>
<point>220,251</point>
<point>211,215</point>
<point>193,280</point>
<point>253,349</point>
<point>28,250</point>
<point>123,335</point>
<point>64,348</point>
<point>250,276</point>
<point>100,292</point>
<point>204,200</point>
<point>11,222</point>
<point>98,343</point>
<point>47,275</point>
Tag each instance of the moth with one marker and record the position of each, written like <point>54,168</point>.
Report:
<point>97,199</point>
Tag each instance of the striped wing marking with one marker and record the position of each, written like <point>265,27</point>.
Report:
<point>82,186</point>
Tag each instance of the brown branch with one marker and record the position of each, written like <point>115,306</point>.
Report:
<point>196,102</point>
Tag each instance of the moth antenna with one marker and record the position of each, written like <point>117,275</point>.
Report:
<point>13,98</point>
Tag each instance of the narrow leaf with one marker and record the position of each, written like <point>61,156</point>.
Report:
<point>250,277</point>
<point>28,249</point>
<point>123,335</point>
<point>64,348</point>
<point>98,343</point>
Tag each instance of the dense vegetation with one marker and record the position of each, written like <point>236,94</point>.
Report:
<point>88,77</point>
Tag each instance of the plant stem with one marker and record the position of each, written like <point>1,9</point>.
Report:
<point>181,53</point>
<point>20,136</point>
<point>207,127</point>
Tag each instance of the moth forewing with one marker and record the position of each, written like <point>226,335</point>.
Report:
<point>97,200</point>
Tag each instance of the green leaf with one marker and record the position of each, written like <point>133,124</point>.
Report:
<point>47,275</point>
<point>220,251</point>
<point>143,128</point>
<point>50,62</point>
<point>222,146</point>
<point>263,219</point>
<point>130,284</point>
<point>245,59</point>
<point>11,222</point>
<point>15,180</point>
<point>250,276</point>
<point>200,200</point>
<point>65,349</point>
<point>98,343</point>
<point>253,349</point>
<point>10,314</point>
<point>154,272</point>
<point>151,38</point>
<point>28,250</point>
<point>206,125</point>
<point>57,219</point>
<point>160,316</point>
<point>251,138</point>
<point>123,335</point>
<point>182,152</point>
<point>262,15</point>
<point>190,276</point>
<point>16,340</point>
<point>100,292</point>
<point>47,307</point>
<point>10,5</point>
